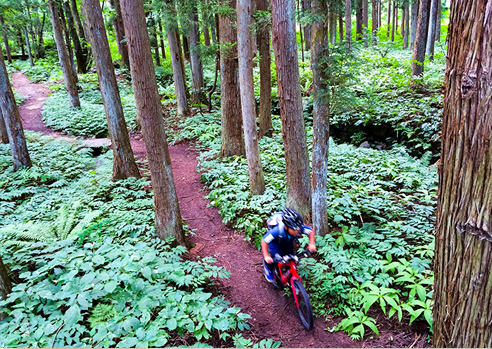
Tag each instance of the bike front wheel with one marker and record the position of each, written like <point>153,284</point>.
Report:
<point>303,305</point>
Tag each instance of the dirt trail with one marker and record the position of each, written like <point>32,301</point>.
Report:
<point>273,314</point>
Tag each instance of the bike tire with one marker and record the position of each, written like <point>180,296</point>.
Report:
<point>303,305</point>
<point>278,279</point>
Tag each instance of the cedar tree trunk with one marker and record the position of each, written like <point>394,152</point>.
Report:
<point>5,39</point>
<point>463,278</point>
<point>291,114</point>
<point>348,23</point>
<point>4,136</point>
<point>305,4</point>
<point>413,28</point>
<point>28,45</point>
<point>358,20</point>
<point>5,286</point>
<point>263,35</point>
<point>375,24</point>
<point>120,34</point>
<point>420,39</point>
<point>431,34</point>
<point>79,54</point>
<point>198,94</point>
<point>168,220</point>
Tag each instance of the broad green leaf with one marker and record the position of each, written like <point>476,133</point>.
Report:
<point>72,316</point>
<point>110,286</point>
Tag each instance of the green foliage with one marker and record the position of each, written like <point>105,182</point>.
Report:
<point>90,118</point>
<point>116,284</point>
<point>42,71</point>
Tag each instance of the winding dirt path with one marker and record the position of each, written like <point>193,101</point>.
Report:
<point>273,314</point>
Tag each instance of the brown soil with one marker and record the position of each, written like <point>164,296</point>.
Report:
<point>273,315</point>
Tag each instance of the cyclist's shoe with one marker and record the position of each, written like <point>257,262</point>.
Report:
<point>269,275</point>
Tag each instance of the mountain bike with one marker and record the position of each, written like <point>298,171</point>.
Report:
<point>286,275</point>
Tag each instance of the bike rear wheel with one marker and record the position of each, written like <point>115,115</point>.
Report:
<point>303,305</point>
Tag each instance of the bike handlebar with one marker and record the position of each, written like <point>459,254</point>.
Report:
<point>285,259</point>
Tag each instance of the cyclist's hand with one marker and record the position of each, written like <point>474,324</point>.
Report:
<point>312,248</point>
<point>268,259</point>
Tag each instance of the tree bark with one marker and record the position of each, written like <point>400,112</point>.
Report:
<point>231,116</point>
<point>68,73</point>
<point>413,28</point>
<point>168,220</point>
<point>438,22</point>
<point>161,36</point>
<point>119,30</point>
<point>333,24</point>
<point>68,42</point>
<point>79,54</point>
<point>5,285</point>
<point>178,73</point>
<point>340,26</point>
<point>263,39</point>
<point>5,39</point>
<point>431,34</point>
<point>11,118</point>
<point>186,49</point>
<point>76,18</point>
<point>28,45</point>
<point>20,40</point>
<point>348,23</point>
<point>365,21</point>
<point>4,136</point>
<point>406,17</point>
<point>245,10</point>
<point>463,278</point>
<point>180,56</point>
<point>289,95</point>
<point>198,94</point>
<point>307,29</point>
<point>375,24</point>
<point>395,21</point>
<point>321,123</point>
<point>358,20</point>
<point>420,39</point>
<point>402,25</point>
<point>124,165</point>
<point>206,34</point>
<point>389,20</point>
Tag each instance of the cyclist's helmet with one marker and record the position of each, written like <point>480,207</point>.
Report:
<point>292,219</point>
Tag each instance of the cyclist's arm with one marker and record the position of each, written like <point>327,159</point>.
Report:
<point>264,250</point>
<point>312,239</point>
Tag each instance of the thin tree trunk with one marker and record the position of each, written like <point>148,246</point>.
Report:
<point>119,30</point>
<point>178,73</point>
<point>389,20</point>
<point>68,42</point>
<point>438,21</point>
<point>186,49</point>
<point>28,45</point>
<point>21,43</point>
<point>321,123</point>
<point>80,32</point>
<point>407,25</point>
<point>168,220</point>
<point>198,94</point>
<point>307,29</point>
<point>206,34</point>
<point>300,31</point>
<point>231,117</point>
<point>39,50</point>
<point>180,57</point>
<point>213,31</point>
<point>11,118</point>
<point>462,308</point>
<point>161,36</point>
<point>291,114</point>
<point>5,39</point>
<point>413,30</point>
<point>79,54</point>
<point>375,24</point>
<point>402,25</point>
<point>68,73</point>
<point>4,136</point>
<point>5,285</point>
<point>431,34</point>
<point>263,39</point>
<point>340,26</point>
<point>420,39</point>
<point>156,47</point>
<point>358,20</point>
<point>245,10</point>
<point>124,165</point>
<point>333,24</point>
<point>348,23</point>
<point>395,21</point>
<point>365,21</point>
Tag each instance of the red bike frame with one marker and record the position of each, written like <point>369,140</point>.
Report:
<point>293,275</point>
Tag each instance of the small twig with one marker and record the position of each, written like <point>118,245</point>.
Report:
<point>415,341</point>
<point>56,334</point>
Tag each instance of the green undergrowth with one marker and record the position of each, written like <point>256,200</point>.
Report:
<point>90,119</point>
<point>87,267</point>
<point>42,71</point>
<point>377,261</point>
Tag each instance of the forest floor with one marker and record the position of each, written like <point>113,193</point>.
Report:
<point>273,315</point>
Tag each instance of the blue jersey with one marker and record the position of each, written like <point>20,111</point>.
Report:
<point>280,241</point>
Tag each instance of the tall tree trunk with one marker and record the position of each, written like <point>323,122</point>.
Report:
<point>231,117</point>
<point>402,25</point>
<point>463,277</point>
<point>438,22</point>
<point>186,49</point>
<point>119,30</point>
<point>68,73</point>
<point>80,31</point>
<point>307,29</point>
<point>21,43</point>
<point>155,45</point>
<point>289,95</point>
<point>395,21</point>
<point>179,54</point>
<point>124,165</point>
<point>431,34</point>
<point>389,19</point>
<point>365,21</point>
<point>168,220</point>
<point>5,285</point>
<point>68,42</point>
<point>321,123</point>
<point>161,36</point>
<point>375,24</point>
<point>420,39</point>
<point>245,10</point>
<point>300,31</point>
<point>11,118</point>
<point>333,24</point>
<point>348,23</point>
<point>358,20</point>
<point>263,39</point>
<point>4,136</point>
<point>206,34</point>
<point>413,30</point>
<point>407,25</point>
<point>39,50</point>
<point>178,73</point>
<point>198,94</point>
<point>79,54</point>
<point>5,39</point>
<point>340,26</point>
<point>28,45</point>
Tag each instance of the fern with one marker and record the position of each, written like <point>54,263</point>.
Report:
<point>101,314</point>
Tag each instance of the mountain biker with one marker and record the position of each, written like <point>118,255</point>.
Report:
<point>284,229</point>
